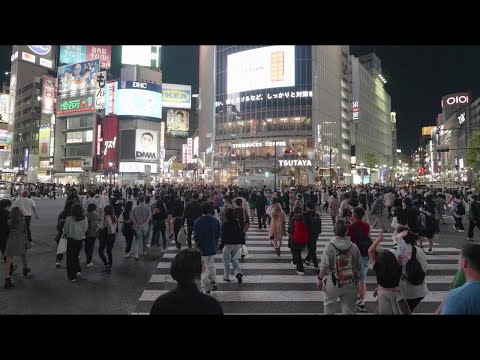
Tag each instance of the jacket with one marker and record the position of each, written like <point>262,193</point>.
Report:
<point>411,214</point>
<point>141,214</point>
<point>261,203</point>
<point>309,217</point>
<point>232,234</point>
<point>329,254</point>
<point>75,229</point>
<point>334,206</point>
<point>186,299</point>
<point>93,223</point>
<point>207,233</point>
<point>377,207</point>
<point>277,224</point>
<point>474,213</point>
<point>192,212</point>
<point>454,205</point>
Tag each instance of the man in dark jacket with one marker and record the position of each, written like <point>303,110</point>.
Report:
<point>411,214</point>
<point>207,233</point>
<point>231,245</point>
<point>261,203</point>
<point>473,216</point>
<point>314,226</point>
<point>192,212</point>
<point>185,299</point>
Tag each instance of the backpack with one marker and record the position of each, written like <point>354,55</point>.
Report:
<point>300,232</point>
<point>415,274</point>
<point>343,274</point>
<point>460,209</point>
<point>364,241</point>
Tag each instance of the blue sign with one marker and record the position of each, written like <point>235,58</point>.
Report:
<point>139,85</point>
<point>40,49</point>
<point>70,54</point>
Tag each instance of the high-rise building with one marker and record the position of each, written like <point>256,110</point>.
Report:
<point>279,113</point>
<point>374,126</point>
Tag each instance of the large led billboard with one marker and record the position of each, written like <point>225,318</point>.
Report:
<point>178,122</point>
<point>80,53</point>
<point>135,98</point>
<point>4,107</point>
<point>41,55</point>
<point>176,96</point>
<point>144,55</point>
<point>263,68</point>
<point>79,76</point>
<point>146,145</point>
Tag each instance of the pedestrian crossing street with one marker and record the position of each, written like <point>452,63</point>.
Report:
<point>271,284</point>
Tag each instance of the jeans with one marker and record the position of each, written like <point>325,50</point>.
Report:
<point>150,226</point>
<point>141,235</point>
<point>107,243</point>
<point>129,234</point>
<point>189,235</point>
<point>230,255</point>
<point>458,223</point>
<point>261,218</point>
<point>334,219</point>
<point>73,263</point>
<point>208,276</point>
<point>471,227</point>
<point>347,296</point>
<point>28,219</point>
<point>312,254</point>
<point>159,227</point>
<point>89,245</point>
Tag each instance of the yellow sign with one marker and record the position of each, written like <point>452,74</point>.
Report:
<point>427,130</point>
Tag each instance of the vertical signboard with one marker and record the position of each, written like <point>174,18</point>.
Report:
<point>195,145</point>
<point>100,91</point>
<point>110,98</point>
<point>99,139</point>
<point>162,147</point>
<point>184,154</point>
<point>4,107</point>
<point>48,94</point>
<point>44,140</point>
<point>110,135</point>
<point>25,158</point>
<point>189,150</point>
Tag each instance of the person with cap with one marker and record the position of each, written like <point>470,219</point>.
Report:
<point>185,299</point>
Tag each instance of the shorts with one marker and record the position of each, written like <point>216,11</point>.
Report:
<point>364,271</point>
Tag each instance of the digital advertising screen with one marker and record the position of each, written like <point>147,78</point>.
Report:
<point>178,122</point>
<point>79,76</point>
<point>146,145</point>
<point>134,98</point>
<point>262,68</point>
<point>144,55</point>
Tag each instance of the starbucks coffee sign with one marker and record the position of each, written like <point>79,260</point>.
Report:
<point>306,162</point>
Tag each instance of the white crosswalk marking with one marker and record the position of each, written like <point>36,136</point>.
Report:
<point>272,286</point>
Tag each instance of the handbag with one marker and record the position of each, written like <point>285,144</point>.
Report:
<point>62,245</point>
<point>182,236</point>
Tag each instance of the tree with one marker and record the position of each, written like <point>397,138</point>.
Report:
<point>473,158</point>
<point>370,160</point>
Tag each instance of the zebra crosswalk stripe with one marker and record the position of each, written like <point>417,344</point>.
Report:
<point>272,286</point>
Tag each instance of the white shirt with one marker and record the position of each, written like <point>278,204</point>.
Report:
<point>25,204</point>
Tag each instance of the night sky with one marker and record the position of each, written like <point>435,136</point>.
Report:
<point>417,78</point>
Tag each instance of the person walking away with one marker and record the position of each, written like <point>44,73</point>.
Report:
<point>377,212</point>
<point>253,203</point>
<point>314,226</point>
<point>27,206</point>
<point>62,217</point>
<point>127,227</point>
<point>207,233</point>
<point>465,300</point>
<point>15,245</point>
<point>441,205</point>
<point>141,215</point>
<point>389,199</point>
<point>160,214</point>
<point>428,227</point>
<point>339,271</point>
<point>359,232</point>
<point>333,207</point>
<point>277,227</point>
<point>92,232</point>
<point>298,239</point>
<point>231,245</point>
<point>344,205</point>
<point>192,212</point>
<point>458,210</point>
<point>177,222</point>
<point>5,204</point>
<point>185,299</point>
<point>260,205</point>
<point>388,271</point>
<point>244,222</point>
<point>414,266</point>
<point>74,230</point>
<point>107,238</point>
<point>170,205</point>
<point>473,216</point>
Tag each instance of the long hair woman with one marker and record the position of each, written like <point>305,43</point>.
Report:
<point>127,228</point>
<point>75,229</point>
<point>91,235</point>
<point>107,237</point>
<point>5,229</point>
<point>16,244</point>
<point>62,217</point>
<point>277,227</point>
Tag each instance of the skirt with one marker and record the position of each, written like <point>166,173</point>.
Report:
<point>15,244</point>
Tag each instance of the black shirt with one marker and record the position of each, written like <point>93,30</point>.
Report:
<point>186,300</point>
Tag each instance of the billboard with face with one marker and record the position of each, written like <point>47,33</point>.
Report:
<point>177,122</point>
<point>78,76</point>
<point>146,145</point>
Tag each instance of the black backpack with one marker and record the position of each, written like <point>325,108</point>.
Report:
<point>414,270</point>
<point>364,241</point>
<point>460,209</point>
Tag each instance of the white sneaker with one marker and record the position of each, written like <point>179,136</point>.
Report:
<point>127,255</point>
<point>295,266</point>
<point>89,265</point>
<point>301,273</point>
<point>149,246</point>
<point>136,256</point>
<point>79,273</point>
<point>461,230</point>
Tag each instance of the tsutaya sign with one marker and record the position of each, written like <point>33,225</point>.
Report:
<point>295,162</point>
<point>259,144</point>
